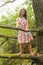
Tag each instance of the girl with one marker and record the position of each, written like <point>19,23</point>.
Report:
<point>23,37</point>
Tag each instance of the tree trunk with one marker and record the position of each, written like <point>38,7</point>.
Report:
<point>38,10</point>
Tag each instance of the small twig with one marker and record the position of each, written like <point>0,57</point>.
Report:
<point>7,3</point>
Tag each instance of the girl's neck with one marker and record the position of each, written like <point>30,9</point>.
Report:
<point>21,16</point>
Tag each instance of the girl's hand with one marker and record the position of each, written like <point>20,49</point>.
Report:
<point>26,29</point>
<point>26,25</point>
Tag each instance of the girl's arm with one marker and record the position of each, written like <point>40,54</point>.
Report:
<point>17,23</point>
<point>26,24</point>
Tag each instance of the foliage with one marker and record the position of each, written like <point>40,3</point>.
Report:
<point>11,46</point>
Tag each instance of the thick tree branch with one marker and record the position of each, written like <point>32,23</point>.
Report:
<point>30,30</point>
<point>13,37</point>
<point>36,58</point>
<point>7,3</point>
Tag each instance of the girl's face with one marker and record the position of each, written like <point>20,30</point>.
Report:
<point>22,13</point>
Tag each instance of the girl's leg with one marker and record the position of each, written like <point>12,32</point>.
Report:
<point>20,49</point>
<point>30,48</point>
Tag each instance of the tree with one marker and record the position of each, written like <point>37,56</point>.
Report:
<point>38,10</point>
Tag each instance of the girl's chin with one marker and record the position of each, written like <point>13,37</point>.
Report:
<point>21,15</point>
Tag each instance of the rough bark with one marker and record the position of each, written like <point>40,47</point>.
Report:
<point>38,10</point>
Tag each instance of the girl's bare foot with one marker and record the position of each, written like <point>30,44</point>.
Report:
<point>19,53</point>
<point>32,54</point>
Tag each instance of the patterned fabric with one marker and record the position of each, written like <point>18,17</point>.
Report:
<point>23,37</point>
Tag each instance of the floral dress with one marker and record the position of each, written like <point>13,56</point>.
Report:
<point>23,37</point>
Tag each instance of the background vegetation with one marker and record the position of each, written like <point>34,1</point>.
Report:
<point>11,45</point>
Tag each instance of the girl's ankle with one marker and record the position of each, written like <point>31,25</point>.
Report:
<point>31,52</point>
<point>21,52</point>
